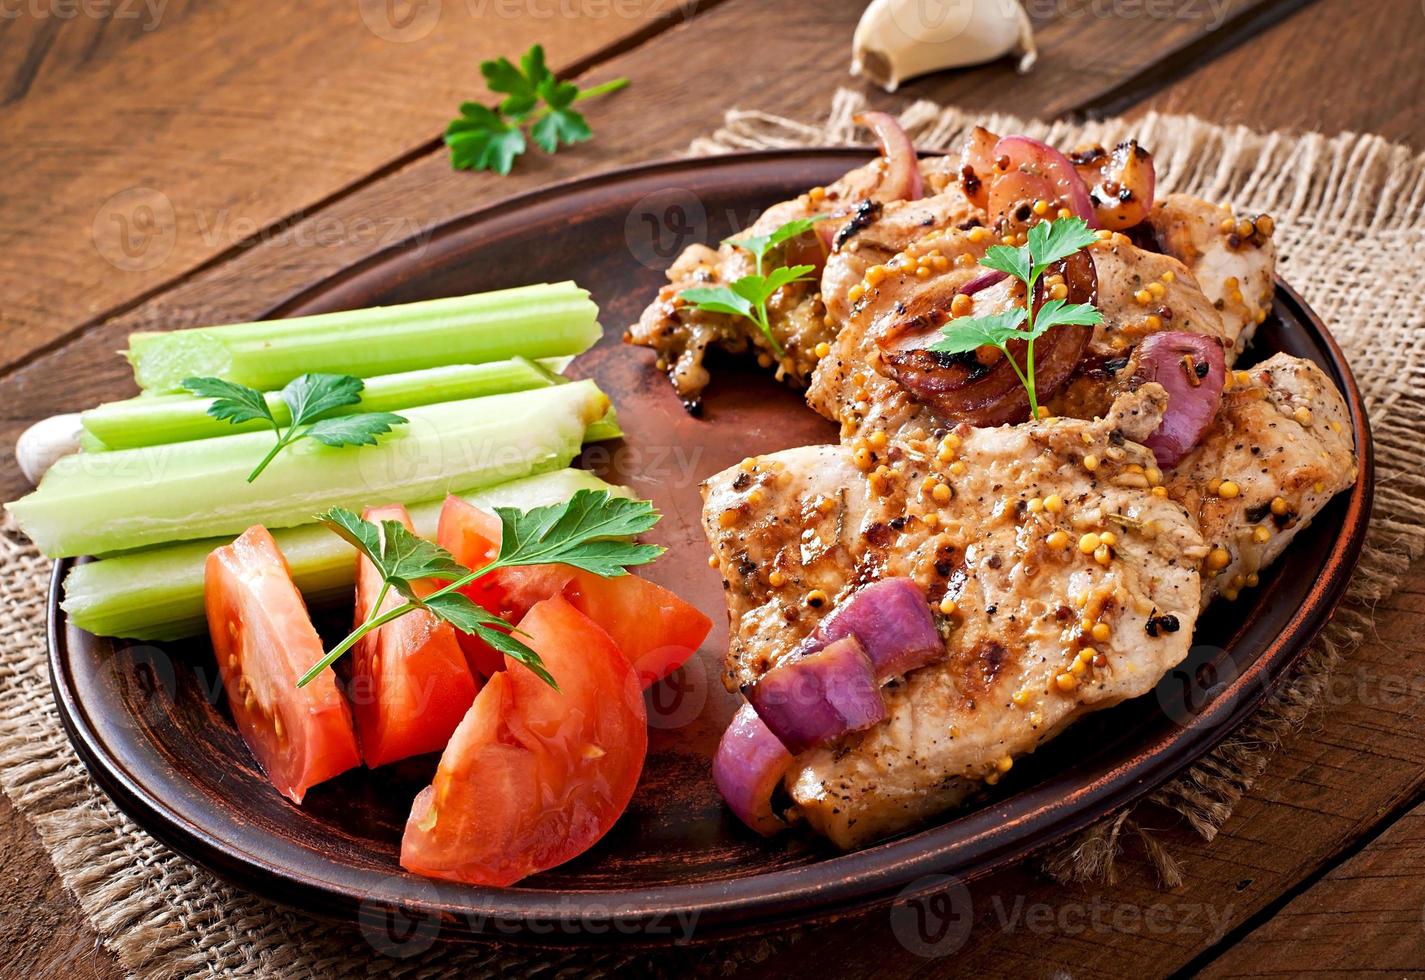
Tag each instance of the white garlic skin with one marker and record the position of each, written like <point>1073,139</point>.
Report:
<point>898,40</point>
<point>46,441</point>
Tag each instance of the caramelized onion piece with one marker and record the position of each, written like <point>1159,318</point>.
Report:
<point>892,621</point>
<point>749,763</point>
<point>816,699</point>
<point>1192,369</point>
<point>1026,171</point>
<point>902,181</point>
<point>962,388</point>
<point>1122,183</point>
<point>977,166</point>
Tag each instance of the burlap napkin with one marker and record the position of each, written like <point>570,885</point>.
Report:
<point>1346,207</point>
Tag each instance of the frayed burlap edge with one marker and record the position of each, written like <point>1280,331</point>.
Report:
<point>1337,200</point>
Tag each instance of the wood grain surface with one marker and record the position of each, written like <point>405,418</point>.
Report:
<point>1334,823</point>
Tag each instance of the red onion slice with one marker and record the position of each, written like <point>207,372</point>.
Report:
<point>1030,158</point>
<point>1192,368</point>
<point>818,698</point>
<point>983,281</point>
<point>892,622</point>
<point>749,764</point>
<point>902,181</point>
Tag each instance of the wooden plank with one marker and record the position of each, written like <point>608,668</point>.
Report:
<point>228,122</point>
<point>686,67</point>
<point>1335,68</point>
<point>44,932</point>
<point>1363,917</point>
<point>44,42</point>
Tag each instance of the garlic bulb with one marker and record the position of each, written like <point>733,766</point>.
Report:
<point>897,40</point>
<point>46,441</point>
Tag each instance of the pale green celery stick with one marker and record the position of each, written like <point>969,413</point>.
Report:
<point>605,428</point>
<point>547,320</point>
<point>90,443</point>
<point>98,503</point>
<point>151,420</point>
<point>157,593</point>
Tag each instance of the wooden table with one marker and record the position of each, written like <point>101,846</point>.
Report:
<point>288,140</point>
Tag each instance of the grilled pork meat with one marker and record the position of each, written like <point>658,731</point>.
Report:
<point>1063,584</point>
<point>1280,449</point>
<point>1232,258</point>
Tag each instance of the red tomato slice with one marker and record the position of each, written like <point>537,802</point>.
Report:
<point>410,685</point>
<point>264,641</point>
<point>534,776</point>
<point>655,629</point>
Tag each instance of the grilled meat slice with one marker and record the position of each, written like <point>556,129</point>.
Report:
<point>682,335</point>
<point>1138,291</point>
<point>1233,259</point>
<point>1280,449</point>
<point>993,525</point>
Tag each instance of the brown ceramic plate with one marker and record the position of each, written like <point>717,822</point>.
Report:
<point>151,724</point>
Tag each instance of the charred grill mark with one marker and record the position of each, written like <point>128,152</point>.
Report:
<point>866,212</point>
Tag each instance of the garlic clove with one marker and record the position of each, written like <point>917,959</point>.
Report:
<point>897,40</point>
<point>46,441</point>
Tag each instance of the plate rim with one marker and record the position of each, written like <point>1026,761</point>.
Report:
<point>835,885</point>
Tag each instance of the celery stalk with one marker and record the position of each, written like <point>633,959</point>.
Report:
<point>97,503</point>
<point>157,593</point>
<point>605,428</point>
<point>547,320</point>
<point>151,420</point>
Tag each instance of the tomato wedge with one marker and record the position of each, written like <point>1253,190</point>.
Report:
<point>533,776</point>
<point>656,630</point>
<point>410,685</point>
<point>264,641</point>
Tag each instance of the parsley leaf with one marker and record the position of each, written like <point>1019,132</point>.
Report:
<point>1048,242</point>
<point>719,299</point>
<point>353,430</point>
<point>482,138</point>
<point>400,556</point>
<point>231,402</point>
<point>972,332</point>
<point>585,531</point>
<point>590,530</point>
<point>748,296</point>
<point>307,399</point>
<point>1053,241</point>
<point>1013,261</point>
<point>760,245</point>
<point>1057,313</point>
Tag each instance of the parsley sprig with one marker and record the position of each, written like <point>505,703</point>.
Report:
<point>590,531</point>
<point>308,399</point>
<point>1049,242</point>
<point>485,138</point>
<point>748,296</point>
